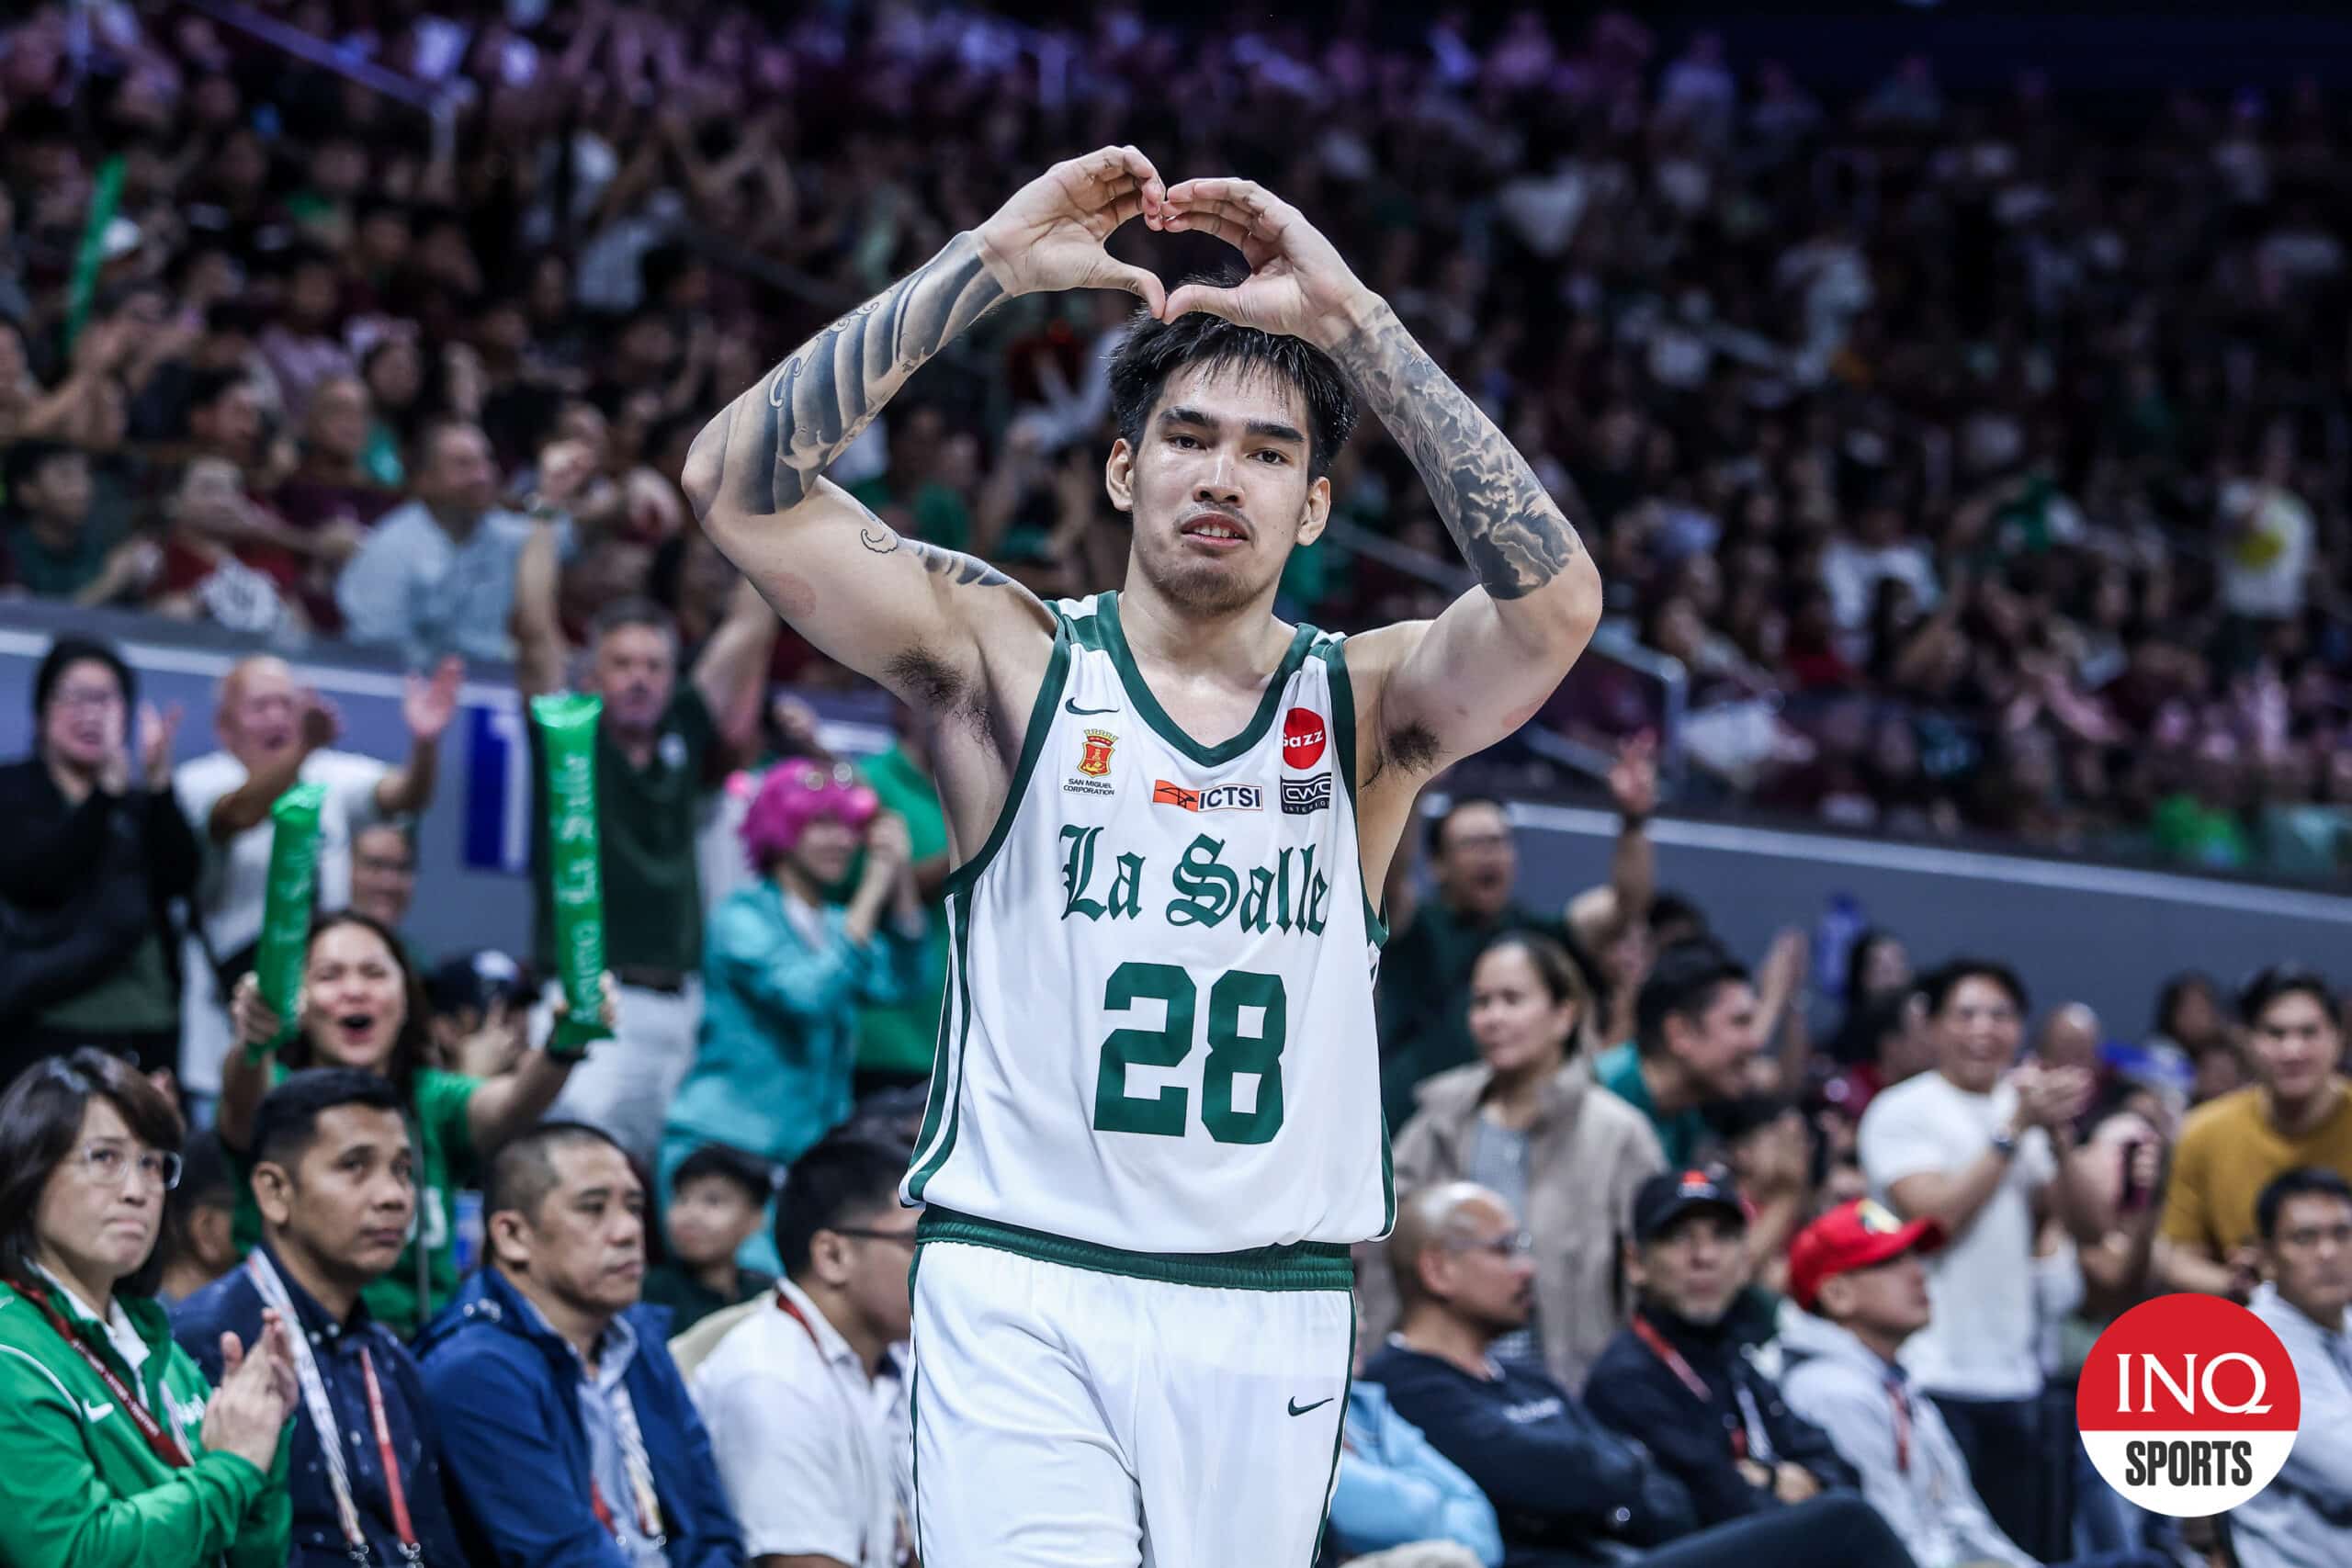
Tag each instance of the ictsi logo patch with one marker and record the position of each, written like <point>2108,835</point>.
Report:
<point>1303,738</point>
<point>2188,1405</point>
<point>1217,797</point>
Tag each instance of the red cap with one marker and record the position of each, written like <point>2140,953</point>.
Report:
<point>1850,1236</point>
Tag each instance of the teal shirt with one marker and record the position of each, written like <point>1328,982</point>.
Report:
<point>1619,1070</point>
<point>779,1023</point>
<point>901,1038</point>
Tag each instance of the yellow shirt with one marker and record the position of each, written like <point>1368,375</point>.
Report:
<point>2229,1151</point>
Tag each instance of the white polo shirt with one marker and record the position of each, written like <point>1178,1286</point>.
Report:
<point>817,1457</point>
<point>1981,1342</point>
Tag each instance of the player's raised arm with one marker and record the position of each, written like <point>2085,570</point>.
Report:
<point>1483,668</point>
<point>900,610</point>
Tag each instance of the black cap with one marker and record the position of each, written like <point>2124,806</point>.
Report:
<point>477,979</point>
<point>1666,1198</point>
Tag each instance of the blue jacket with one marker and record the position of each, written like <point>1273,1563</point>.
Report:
<point>779,1023</point>
<point>504,1394</point>
<point>1395,1489</point>
<point>234,1303</point>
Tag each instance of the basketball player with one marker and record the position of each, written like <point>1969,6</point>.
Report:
<point>1154,1124</point>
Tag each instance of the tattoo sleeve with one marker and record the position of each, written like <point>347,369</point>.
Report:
<point>764,451</point>
<point>1501,520</point>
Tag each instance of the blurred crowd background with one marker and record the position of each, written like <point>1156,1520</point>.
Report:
<point>1979,460</point>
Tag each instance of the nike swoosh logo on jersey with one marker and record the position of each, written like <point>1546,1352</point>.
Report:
<point>1298,1409</point>
<point>1071,706</point>
<point>98,1411</point>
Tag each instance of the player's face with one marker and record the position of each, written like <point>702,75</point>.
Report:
<point>1517,1025</point>
<point>1977,1034</point>
<point>636,672</point>
<point>1218,487</point>
<point>2310,1257</point>
<point>2295,1046</point>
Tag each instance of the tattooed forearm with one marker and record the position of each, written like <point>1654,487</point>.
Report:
<point>1504,523</point>
<point>763,452</point>
<point>963,570</point>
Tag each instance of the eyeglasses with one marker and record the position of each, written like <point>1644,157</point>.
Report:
<point>871,1234</point>
<point>110,1165</point>
<point>86,698</point>
<point>1517,1243</point>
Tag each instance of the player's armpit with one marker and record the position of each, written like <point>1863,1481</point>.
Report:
<point>907,613</point>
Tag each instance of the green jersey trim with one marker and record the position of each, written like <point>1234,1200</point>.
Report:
<point>1033,743</point>
<point>1333,652</point>
<point>1338,1441</point>
<point>946,1096</point>
<point>1112,639</point>
<point>1303,1265</point>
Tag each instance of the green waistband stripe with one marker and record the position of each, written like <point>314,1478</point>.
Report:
<point>1303,1265</point>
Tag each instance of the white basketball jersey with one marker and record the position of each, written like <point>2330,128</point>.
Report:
<point>1159,1033</point>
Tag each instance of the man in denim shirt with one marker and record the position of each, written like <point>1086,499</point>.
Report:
<point>332,1175</point>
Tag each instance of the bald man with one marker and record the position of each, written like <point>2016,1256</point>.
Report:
<point>274,733</point>
<point>1569,1490</point>
<point>2069,1038</point>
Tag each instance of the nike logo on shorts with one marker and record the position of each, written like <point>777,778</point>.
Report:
<point>1298,1409</point>
<point>1071,706</point>
<point>97,1410</point>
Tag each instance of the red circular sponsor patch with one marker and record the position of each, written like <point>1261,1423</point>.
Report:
<point>1303,737</point>
<point>2188,1405</point>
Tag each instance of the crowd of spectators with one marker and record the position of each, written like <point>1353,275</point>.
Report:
<point>1678,1277</point>
<point>1981,461</point>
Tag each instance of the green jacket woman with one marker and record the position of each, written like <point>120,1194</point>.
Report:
<point>114,1451</point>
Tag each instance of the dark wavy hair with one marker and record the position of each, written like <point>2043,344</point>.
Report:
<point>412,1048</point>
<point>1154,350</point>
<point>40,1117</point>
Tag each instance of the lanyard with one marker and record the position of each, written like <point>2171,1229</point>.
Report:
<point>1901,1403</point>
<point>635,1460</point>
<point>329,1432</point>
<point>1681,1368</point>
<point>167,1447</point>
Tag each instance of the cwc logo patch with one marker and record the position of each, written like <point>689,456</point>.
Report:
<point>1300,797</point>
<point>1217,797</point>
<point>1303,739</point>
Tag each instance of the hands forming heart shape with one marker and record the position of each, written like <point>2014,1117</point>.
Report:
<point>1051,236</point>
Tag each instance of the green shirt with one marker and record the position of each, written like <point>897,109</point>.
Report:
<point>901,1038</point>
<point>646,818</point>
<point>438,1103</point>
<point>690,1300</point>
<point>1619,1070</point>
<point>136,998</point>
<point>51,574</point>
<point>79,1486</point>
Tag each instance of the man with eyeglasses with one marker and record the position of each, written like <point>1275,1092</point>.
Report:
<point>2304,1217</point>
<point>1984,1147</point>
<point>807,1396</point>
<point>1567,1490</point>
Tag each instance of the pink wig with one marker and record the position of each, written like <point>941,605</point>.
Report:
<point>794,794</point>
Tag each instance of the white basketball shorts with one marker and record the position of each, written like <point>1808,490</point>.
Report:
<point>1069,1416</point>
